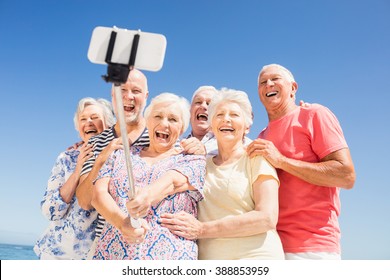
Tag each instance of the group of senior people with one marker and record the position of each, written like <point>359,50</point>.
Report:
<point>220,200</point>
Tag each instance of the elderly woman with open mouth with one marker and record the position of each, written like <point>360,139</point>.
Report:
<point>239,213</point>
<point>72,229</point>
<point>166,181</point>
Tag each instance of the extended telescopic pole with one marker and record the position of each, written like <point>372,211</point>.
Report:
<point>118,74</point>
<point>135,223</point>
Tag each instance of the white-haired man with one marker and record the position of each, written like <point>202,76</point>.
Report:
<point>307,147</point>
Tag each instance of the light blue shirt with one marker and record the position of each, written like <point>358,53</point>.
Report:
<point>71,229</point>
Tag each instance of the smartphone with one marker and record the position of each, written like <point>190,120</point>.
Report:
<point>150,51</point>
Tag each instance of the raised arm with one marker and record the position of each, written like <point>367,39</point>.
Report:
<point>103,202</point>
<point>68,190</point>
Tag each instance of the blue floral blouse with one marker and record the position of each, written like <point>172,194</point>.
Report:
<point>71,229</point>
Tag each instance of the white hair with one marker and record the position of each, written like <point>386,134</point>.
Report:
<point>203,88</point>
<point>290,76</point>
<point>171,98</point>
<point>105,105</point>
<point>235,96</point>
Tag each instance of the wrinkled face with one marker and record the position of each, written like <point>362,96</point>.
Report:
<point>228,123</point>
<point>275,88</point>
<point>134,96</point>
<point>91,122</point>
<point>199,113</point>
<point>165,125</point>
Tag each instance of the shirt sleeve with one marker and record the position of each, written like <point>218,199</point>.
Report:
<point>194,168</point>
<point>52,205</point>
<point>260,166</point>
<point>88,164</point>
<point>327,135</point>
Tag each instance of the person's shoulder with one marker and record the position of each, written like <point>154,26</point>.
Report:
<point>144,136</point>
<point>314,109</point>
<point>258,163</point>
<point>71,152</point>
<point>317,112</point>
<point>105,134</point>
<point>247,140</point>
<point>308,107</point>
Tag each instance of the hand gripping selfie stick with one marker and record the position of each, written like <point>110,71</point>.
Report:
<point>118,72</point>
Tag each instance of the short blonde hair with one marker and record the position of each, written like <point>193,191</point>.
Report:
<point>171,98</point>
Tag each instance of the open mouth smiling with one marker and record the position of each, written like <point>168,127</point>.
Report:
<point>270,94</point>
<point>161,134</point>
<point>226,129</point>
<point>202,117</point>
<point>129,108</point>
<point>90,131</point>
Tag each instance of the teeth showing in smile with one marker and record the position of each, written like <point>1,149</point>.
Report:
<point>90,131</point>
<point>226,129</point>
<point>202,117</point>
<point>272,93</point>
<point>161,134</point>
<point>128,107</point>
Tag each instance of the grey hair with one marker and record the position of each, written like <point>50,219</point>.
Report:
<point>171,98</point>
<point>203,88</point>
<point>105,105</point>
<point>284,69</point>
<point>231,95</point>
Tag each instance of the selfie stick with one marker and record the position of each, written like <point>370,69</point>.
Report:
<point>118,74</point>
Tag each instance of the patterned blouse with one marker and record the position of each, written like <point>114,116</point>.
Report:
<point>159,243</point>
<point>71,229</point>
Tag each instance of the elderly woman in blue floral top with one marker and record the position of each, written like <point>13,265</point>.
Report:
<point>71,229</point>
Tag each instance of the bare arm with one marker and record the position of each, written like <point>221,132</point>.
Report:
<point>336,169</point>
<point>170,183</point>
<point>84,190</point>
<point>261,219</point>
<point>103,202</point>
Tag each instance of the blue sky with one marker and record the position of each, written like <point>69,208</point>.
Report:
<point>338,51</point>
